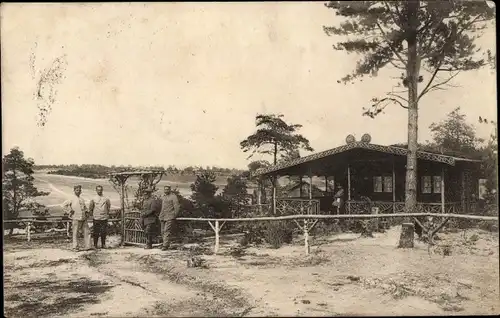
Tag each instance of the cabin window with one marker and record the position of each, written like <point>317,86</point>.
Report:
<point>382,184</point>
<point>387,184</point>
<point>436,187</point>
<point>431,184</point>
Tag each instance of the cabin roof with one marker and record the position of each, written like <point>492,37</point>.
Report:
<point>393,150</point>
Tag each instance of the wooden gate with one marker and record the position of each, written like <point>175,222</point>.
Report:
<point>134,233</point>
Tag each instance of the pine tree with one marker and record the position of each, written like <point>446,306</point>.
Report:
<point>431,42</point>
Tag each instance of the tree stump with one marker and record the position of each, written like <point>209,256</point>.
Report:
<point>406,240</point>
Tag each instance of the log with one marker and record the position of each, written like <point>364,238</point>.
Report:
<point>406,240</point>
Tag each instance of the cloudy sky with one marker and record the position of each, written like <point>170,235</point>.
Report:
<point>181,83</point>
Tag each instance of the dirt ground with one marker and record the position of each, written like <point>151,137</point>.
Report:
<point>343,275</point>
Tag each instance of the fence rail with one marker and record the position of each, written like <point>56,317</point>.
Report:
<point>30,221</point>
<point>217,223</point>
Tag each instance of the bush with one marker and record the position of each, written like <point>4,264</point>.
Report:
<point>277,233</point>
<point>327,227</point>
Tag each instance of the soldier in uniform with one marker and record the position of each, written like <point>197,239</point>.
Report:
<point>149,216</point>
<point>79,213</point>
<point>169,211</point>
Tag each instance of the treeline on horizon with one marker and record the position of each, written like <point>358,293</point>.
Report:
<point>96,171</point>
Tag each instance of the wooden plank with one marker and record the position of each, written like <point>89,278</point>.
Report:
<point>343,216</point>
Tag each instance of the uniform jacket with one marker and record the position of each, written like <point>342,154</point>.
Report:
<point>76,208</point>
<point>150,210</point>
<point>169,207</point>
<point>99,207</point>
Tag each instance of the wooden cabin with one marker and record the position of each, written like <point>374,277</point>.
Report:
<point>374,176</point>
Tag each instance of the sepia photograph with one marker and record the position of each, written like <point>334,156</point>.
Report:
<point>249,159</point>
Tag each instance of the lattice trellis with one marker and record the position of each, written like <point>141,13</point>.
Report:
<point>364,207</point>
<point>296,206</point>
<point>134,232</point>
<point>131,224</point>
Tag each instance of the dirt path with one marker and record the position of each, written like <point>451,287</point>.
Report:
<point>344,275</point>
<point>61,283</point>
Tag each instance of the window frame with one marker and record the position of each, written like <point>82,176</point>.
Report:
<point>432,184</point>
<point>383,188</point>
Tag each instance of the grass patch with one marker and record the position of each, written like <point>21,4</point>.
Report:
<point>43,298</point>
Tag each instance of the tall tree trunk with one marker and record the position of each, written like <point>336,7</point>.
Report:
<point>274,179</point>
<point>412,71</point>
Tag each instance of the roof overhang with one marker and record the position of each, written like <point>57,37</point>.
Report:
<point>398,151</point>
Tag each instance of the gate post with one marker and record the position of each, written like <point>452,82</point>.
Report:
<point>306,236</point>
<point>67,228</point>
<point>28,228</point>
<point>216,229</point>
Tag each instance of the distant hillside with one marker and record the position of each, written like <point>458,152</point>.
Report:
<point>94,171</point>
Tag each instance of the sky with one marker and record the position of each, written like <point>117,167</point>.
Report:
<point>181,83</point>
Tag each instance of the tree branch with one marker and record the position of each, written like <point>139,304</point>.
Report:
<point>426,88</point>
<point>390,46</point>
<point>438,85</point>
<point>397,96</point>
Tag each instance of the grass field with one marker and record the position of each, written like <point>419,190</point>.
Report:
<point>61,187</point>
<point>344,275</point>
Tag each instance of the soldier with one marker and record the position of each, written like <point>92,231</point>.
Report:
<point>99,208</point>
<point>169,211</point>
<point>78,212</point>
<point>149,216</point>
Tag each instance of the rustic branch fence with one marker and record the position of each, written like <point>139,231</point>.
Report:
<point>306,226</point>
<point>50,220</point>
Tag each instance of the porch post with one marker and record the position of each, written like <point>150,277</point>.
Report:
<point>462,194</point>
<point>310,186</point>
<point>309,210</point>
<point>443,209</point>
<point>348,182</point>
<point>300,184</point>
<point>259,195</point>
<point>326,184</point>
<point>348,188</point>
<point>122,204</point>
<point>275,180</point>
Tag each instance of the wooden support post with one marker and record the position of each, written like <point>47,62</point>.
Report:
<point>122,199</point>
<point>259,195</point>
<point>274,181</point>
<point>216,229</point>
<point>462,193</point>
<point>313,225</point>
<point>309,211</point>
<point>28,233</point>
<point>216,250</point>
<point>393,187</point>
<point>443,209</point>
<point>306,237</point>
<point>433,232</point>
<point>348,182</point>
<point>67,228</point>
<point>300,187</point>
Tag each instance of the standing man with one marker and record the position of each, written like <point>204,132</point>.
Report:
<point>149,216</point>
<point>169,211</point>
<point>338,198</point>
<point>99,208</point>
<point>77,211</point>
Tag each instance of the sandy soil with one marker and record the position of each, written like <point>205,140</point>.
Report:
<point>343,275</point>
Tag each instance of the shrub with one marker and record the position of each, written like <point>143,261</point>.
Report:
<point>327,227</point>
<point>276,233</point>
